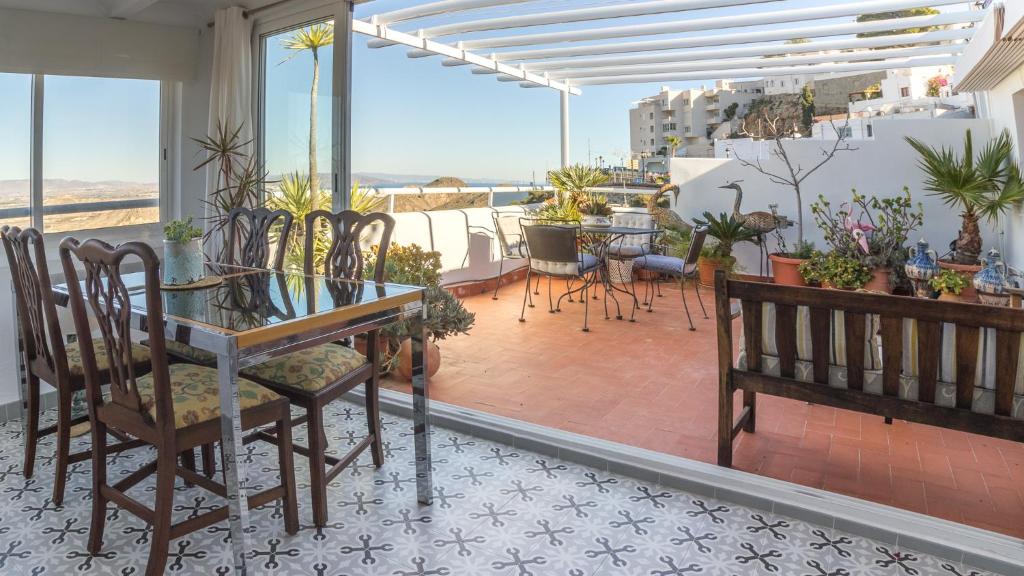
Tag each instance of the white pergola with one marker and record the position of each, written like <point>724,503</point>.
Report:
<point>612,43</point>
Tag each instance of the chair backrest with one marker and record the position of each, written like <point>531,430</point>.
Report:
<point>509,234</point>
<point>343,257</point>
<point>697,239</point>
<point>249,233</point>
<point>634,220</point>
<point>107,298</point>
<point>33,293</point>
<point>552,246</point>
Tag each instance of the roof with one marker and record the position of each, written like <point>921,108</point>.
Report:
<point>996,50</point>
<point>580,43</point>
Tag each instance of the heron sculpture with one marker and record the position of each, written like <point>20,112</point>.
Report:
<point>760,222</point>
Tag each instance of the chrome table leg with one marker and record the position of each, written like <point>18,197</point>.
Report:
<point>234,467</point>
<point>421,407</point>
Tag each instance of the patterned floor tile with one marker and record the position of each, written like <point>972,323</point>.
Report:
<point>497,510</point>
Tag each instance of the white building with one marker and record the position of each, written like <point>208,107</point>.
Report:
<point>696,116</point>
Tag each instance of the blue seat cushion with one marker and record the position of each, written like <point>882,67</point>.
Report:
<point>662,264</point>
<point>590,262</point>
<point>585,264</point>
<point>626,251</point>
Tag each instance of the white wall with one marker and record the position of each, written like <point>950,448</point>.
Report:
<point>879,167</point>
<point>1004,106</point>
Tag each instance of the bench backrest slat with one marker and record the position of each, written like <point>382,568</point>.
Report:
<point>821,327</point>
<point>1007,358</point>
<point>929,339</point>
<point>785,338</point>
<point>752,334</point>
<point>892,354</point>
<point>853,325</point>
<point>966,365</point>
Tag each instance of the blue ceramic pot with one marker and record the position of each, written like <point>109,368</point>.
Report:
<point>183,262</point>
<point>991,281</point>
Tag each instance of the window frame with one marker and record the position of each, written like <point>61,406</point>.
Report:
<point>165,121</point>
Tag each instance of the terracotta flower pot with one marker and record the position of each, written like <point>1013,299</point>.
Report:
<point>404,369</point>
<point>950,297</point>
<point>879,281</point>
<point>786,270</point>
<point>968,294</point>
<point>706,268</point>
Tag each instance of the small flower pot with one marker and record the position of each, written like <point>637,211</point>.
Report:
<point>183,262</point>
<point>879,281</point>
<point>786,270</point>
<point>968,294</point>
<point>950,297</point>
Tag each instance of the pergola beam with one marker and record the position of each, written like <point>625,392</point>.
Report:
<point>736,38</point>
<point>624,10</point>
<point>767,72</point>
<point>435,8</point>
<point>434,47</point>
<point>811,47</point>
<point>758,63</point>
<point>709,23</point>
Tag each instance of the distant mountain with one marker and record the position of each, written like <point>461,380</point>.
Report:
<point>58,185</point>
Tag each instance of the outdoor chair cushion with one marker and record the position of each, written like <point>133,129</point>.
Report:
<point>189,353</point>
<point>140,355</point>
<point>945,394</point>
<point>516,249</point>
<point>311,369</point>
<point>586,263</point>
<point>664,265</point>
<point>626,250</point>
<point>194,391</point>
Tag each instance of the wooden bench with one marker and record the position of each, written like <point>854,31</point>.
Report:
<point>992,408</point>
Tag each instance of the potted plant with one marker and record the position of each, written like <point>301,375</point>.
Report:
<point>871,231</point>
<point>984,186</point>
<point>717,255</point>
<point>183,253</point>
<point>950,284</point>
<point>786,262</point>
<point>833,270</point>
<point>595,211</point>
<point>446,315</point>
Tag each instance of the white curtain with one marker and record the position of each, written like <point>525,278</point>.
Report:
<point>230,88</point>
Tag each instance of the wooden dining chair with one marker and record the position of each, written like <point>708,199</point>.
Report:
<point>314,377</point>
<point>46,356</point>
<point>174,408</point>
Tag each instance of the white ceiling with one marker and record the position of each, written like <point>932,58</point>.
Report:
<point>173,12</point>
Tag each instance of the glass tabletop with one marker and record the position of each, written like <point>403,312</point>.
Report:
<point>249,299</point>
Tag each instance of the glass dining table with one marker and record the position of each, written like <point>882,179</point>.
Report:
<point>252,315</point>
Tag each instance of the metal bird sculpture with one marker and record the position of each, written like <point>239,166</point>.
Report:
<point>666,217</point>
<point>758,222</point>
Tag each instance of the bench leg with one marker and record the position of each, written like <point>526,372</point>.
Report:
<point>725,428</point>
<point>750,401</point>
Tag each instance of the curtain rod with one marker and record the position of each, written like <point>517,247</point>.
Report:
<point>250,11</point>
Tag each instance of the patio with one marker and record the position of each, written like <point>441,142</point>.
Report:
<point>650,384</point>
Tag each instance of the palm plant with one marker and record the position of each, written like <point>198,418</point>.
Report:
<point>674,142</point>
<point>238,177</point>
<point>312,38</point>
<point>986,185</point>
<point>726,231</point>
<point>576,181</point>
<point>293,195</point>
<point>363,200</point>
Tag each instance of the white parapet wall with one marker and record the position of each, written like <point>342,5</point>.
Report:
<point>880,167</point>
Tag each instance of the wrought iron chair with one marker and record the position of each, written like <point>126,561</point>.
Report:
<point>174,408</point>
<point>682,268</point>
<point>553,249</point>
<point>47,358</point>
<point>511,243</point>
<point>315,377</point>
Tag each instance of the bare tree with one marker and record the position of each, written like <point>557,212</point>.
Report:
<point>779,120</point>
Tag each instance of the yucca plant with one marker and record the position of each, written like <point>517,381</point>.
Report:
<point>576,181</point>
<point>986,185</point>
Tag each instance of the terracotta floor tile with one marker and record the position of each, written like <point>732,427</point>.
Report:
<point>654,384</point>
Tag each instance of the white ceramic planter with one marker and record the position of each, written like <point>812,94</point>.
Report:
<point>183,262</point>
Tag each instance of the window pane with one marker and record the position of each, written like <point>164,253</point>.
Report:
<point>101,146</point>
<point>15,146</point>
<point>296,96</point>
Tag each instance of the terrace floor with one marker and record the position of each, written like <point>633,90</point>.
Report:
<point>653,384</point>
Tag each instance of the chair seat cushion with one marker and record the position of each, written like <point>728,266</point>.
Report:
<point>189,353</point>
<point>516,249</point>
<point>590,262</point>
<point>311,369</point>
<point>140,355</point>
<point>194,391</point>
<point>626,251</point>
<point>662,264</point>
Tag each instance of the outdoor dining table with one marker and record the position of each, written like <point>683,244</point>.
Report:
<point>252,315</point>
<point>599,240</point>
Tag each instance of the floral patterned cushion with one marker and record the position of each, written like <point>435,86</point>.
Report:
<point>310,369</point>
<point>140,355</point>
<point>189,353</point>
<point>194,392</point>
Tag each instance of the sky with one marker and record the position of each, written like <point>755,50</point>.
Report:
<point>410,116</point>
